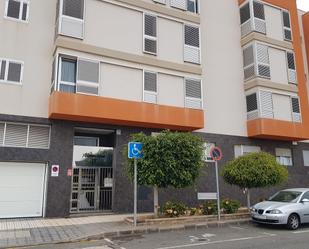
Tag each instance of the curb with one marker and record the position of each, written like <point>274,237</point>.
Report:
<point>144,230</point>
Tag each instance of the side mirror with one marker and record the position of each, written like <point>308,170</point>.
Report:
<point>305,200</point>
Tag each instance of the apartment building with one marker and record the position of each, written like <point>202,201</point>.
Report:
<point>77,77</point>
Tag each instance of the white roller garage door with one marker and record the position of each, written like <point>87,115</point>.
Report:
<point>21,189</point>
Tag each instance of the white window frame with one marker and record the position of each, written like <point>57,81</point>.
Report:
<point>27,140</point>
<point>193,99</point>
<point>61,16</point>
<point>286,28</point>
<point>289,69</point>
<point>189,46</point>
<point>279,158</point>
<point>150,92</point>
<point>153,38</point>
<point>60,57</point>
<point>8,61</point>
<point>19,19</point>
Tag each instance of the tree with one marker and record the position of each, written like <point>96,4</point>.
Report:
<point>254,170</point>
<point>169,159</point>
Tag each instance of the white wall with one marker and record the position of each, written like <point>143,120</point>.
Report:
<point>224,95</point>
<point>32,43</point>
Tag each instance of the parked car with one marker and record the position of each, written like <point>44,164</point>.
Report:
<point>288,207</point>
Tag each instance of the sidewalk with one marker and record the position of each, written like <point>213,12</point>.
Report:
<point>24,232</point>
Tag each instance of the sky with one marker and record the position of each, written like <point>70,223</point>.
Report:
<point>303,4</point>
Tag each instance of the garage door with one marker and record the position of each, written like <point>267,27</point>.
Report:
<point>21,189</point>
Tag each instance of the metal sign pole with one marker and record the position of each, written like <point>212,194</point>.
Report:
<point>218,191</point>
<point>135,192</point>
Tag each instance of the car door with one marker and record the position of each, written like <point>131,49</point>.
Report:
<point>304,206</point>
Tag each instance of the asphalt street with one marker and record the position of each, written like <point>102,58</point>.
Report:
<point>233,237</point>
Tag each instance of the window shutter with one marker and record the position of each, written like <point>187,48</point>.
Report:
<point>150,87</point>
<point>263,61</point>
<point>2,125</point>
<point>16,135</point>
<point>287,25</point>
<point>249,68</point>
<point>192,44</point>
<point>2,69</point>
<point>259,17</point>
<point>296,109</point>
<point>306,157</point>
<point>266,104</point>
<point>38,137</point>
<point>88,77</point>
<point>291,68</point>
<point>73,27</point>
<point>150,34</point>
<point>245,20</point>
<point>160,1</point>
<point>252,106</point>
<point>179,4</point>
<point>14,72</point>
<point>13,9</point>
<point>193,94</point>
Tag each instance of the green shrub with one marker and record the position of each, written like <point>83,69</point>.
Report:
<point>174,209</point>
<point>209,208</point>
<point>230,206</point>
<point>196,211</point>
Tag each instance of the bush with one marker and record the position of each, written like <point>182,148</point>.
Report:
<point>209,208</point>
<point>230,206</point>
<point>174,209</point>
<point>195,211</point>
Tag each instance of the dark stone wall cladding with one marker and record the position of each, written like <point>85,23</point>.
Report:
<point>61,152</point>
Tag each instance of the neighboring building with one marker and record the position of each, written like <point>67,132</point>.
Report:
<point>78,77</point>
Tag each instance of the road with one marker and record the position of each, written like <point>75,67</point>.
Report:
<point>234,237</point>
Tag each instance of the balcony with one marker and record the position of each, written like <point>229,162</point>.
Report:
<point>86,108</point>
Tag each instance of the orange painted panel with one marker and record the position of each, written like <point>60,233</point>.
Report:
<point>276,129</point>
<point>85,108</point>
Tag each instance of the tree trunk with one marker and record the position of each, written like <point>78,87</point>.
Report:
<point>248,198</point>
<point>155,201</point>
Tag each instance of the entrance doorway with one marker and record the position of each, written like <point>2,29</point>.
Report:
<point>92,173</point>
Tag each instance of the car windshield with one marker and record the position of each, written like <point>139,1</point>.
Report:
<point>285,196</point>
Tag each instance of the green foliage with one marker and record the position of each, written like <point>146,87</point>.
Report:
<point>174,209</point>
<point>230,206</point>
<point>170,159</point>
<point>209,208</point>
<point>254,170</point>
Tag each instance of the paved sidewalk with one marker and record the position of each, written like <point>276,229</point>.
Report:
<point>25,232</point>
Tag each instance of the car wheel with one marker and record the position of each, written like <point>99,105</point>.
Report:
<point>293,222</point>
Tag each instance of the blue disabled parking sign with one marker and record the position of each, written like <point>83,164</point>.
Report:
<point>135,150</point>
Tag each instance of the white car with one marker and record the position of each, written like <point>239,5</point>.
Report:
<point>287,207</point>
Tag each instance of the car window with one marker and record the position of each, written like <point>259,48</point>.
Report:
<point>305,196</point>
<point>285,196</point>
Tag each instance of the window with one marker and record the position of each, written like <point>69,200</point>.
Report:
<point>263,62</point>
<point>150,34</point>
<point>71,15</point>
<point>192,6</point>
<point>305,157</point>
<point>78,75</point>
<point>24,135</point>
<point>179,4</point>
<point>305,196</point>
<point>11,71</point>
<point>192,44</point>
<point>245,13</point>
<point>284,156</point>
<point>241,150</point>
<point>17,9</point>
<point>295,109</point>
<point>259,17</point>
<point>249,65</point>
<point>287,31</point>
<point>150,87</point>
<point>252,106</point>
<point>193,89</point>
<point>291,68</point>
